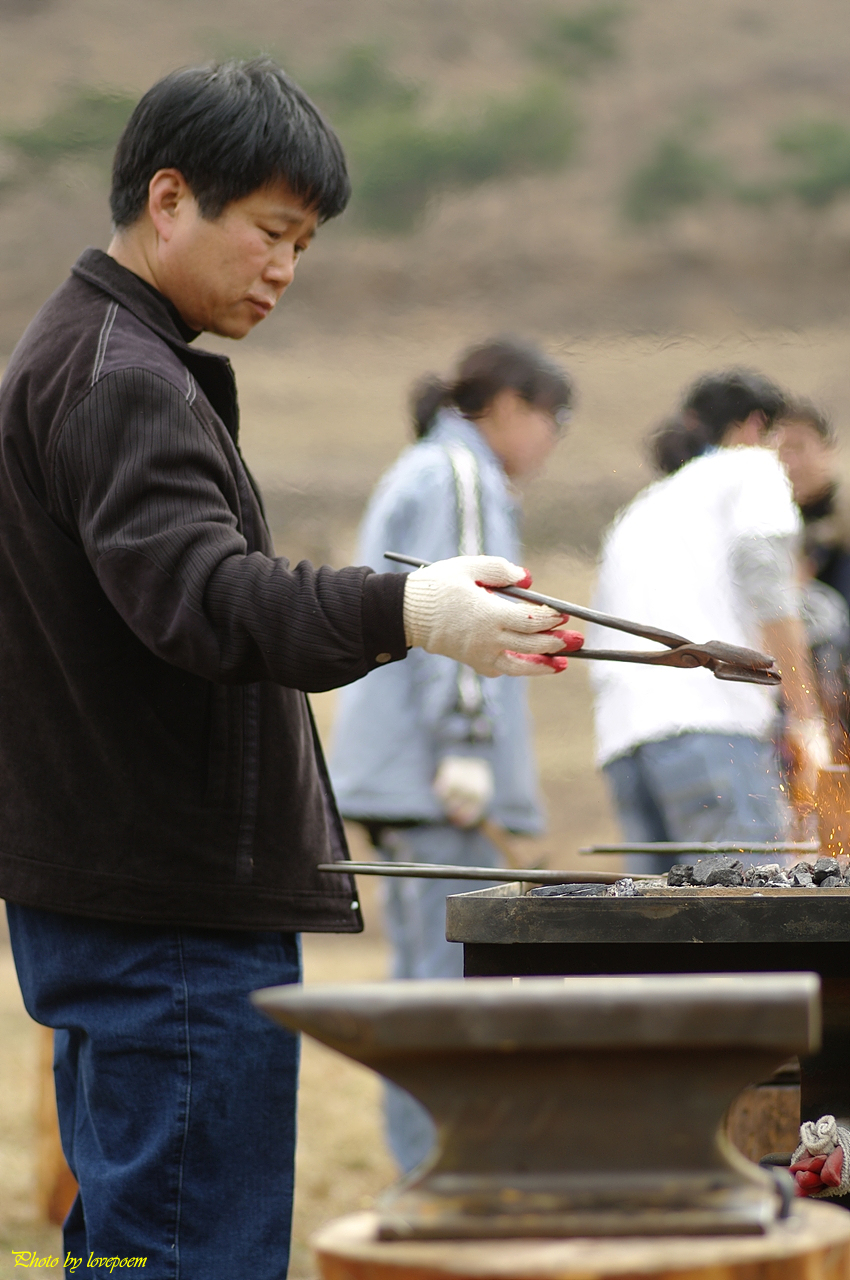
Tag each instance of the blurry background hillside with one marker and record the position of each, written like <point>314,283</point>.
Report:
<point>651,188</point>
<point>616,163</point>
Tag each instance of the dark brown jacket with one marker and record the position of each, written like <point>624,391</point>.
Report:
<point>158,761</point>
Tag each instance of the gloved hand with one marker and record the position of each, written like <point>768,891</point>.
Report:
<point>464,785</point>
<point>819,1165</point>
<point>448,610</point>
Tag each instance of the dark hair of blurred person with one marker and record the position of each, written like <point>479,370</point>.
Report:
<point>807,443</point>
<point>675,441</point>
<point>734,407</point>
<point>230,130</point>
<point>500,364</point>
<point>807,449</point>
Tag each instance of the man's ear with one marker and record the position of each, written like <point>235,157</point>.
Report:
<point>168,194</point>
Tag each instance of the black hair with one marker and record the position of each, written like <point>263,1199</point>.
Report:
<point>721,399</point>
<point>804,411</point>
<point>498,365</point>
<point>677,440</point>
<point>230,130</point>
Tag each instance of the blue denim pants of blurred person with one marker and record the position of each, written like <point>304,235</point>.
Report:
<point>415,923</point>
<point>699,787</point>
<point>176,1097</point>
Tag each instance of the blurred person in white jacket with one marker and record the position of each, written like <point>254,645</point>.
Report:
<point>708,552</point>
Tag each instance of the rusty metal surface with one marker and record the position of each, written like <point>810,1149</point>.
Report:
<point>577,1106</point>
<point>506,915</point>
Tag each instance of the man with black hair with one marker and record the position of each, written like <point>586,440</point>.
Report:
<point>165,802</point>
<point>708,551</point>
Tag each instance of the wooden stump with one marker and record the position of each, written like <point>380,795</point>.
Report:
<point>765,1119</point>
<point>56,1186</point>
<point>813,1244</point>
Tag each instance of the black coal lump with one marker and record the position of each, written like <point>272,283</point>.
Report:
<point>801,875</point>
<point>568,891</point>
<point>832,882</point>
<point>681,874</point>
<point>825,867</point>
<point>719,870</point>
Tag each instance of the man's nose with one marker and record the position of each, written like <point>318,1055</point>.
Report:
<point>281,267</point>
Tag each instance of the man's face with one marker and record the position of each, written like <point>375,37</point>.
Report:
<point>808,459</point>
<point>226,274</point>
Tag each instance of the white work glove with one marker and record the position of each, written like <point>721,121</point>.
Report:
<point>447,611</point>
<point>464,786</point>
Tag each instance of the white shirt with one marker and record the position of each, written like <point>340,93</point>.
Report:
<point>666,561</point>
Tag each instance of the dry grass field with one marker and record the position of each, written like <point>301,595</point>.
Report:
<point>321,419</point>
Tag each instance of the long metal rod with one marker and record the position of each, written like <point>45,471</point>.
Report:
<point>436,871</point>
<point>725,846</point>
<point>668,638</point>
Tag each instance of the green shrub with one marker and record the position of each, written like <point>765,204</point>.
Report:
<point>575,43</point>
<point>400,161</point>
<point>821,149</point>
<point>361,81</point>
<point>90,120</point>
<point>675,174</point>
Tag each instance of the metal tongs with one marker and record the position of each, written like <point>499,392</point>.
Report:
<point>725,661</point>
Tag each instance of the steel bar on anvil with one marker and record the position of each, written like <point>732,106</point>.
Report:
<point>438,871</point>
<point>669,847</point>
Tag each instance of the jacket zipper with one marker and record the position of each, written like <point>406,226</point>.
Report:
<point>250,717</point>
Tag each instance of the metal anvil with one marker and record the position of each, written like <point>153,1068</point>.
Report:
<point>586,1106</point>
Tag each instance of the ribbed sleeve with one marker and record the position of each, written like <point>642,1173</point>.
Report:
<point>150,492</point>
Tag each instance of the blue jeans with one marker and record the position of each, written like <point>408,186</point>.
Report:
<point>415,922</point>
<point>697,787</point>
<point>176,1097</point>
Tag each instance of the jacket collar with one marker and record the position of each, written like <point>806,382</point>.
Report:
<point>147,304</point>
<point>451,426</point>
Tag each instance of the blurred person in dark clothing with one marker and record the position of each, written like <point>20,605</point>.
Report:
<point>807,450</point>
<point>676,441</point>
<point>166,806</point>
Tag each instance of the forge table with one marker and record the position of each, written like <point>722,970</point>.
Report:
<point>505,931</point>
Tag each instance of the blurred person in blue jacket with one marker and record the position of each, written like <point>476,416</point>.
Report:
<point>425,749</point>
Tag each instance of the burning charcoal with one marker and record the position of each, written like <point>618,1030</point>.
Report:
<point>824,867</point>
<point>568,891</point>
<point>832,882</point>
<point>801,876</point>
<point>779,881</point>
<point>719,870</point>
<point>625,888</point>
<point>682,873</point>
